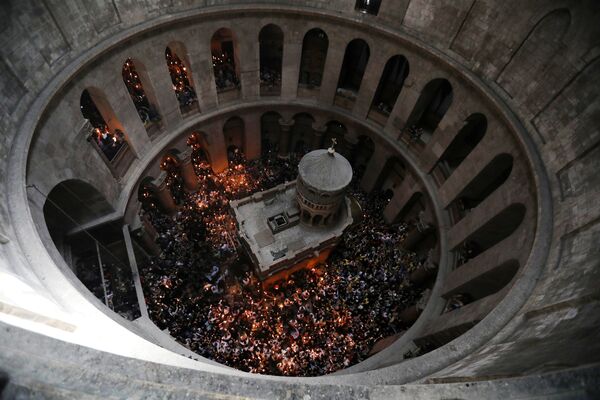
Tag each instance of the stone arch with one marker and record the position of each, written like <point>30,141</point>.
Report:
<point>301,131</point>
<point>226,65</point>
<point>234,135</point>
<point>314,53</point>
<point>392,175</point>
<point>488,283</point>
<point>107,132</point>
<point>463,143</point>
<point>146,189</point>
<point>138,83</point>
<point>176,57</point>
<point>364,151</point>
<point>492,232</point>
<point>270,40</point>
<point>433,103</point>
<point>490,178</point>
<point>270,131</point>
<point>71,204</point>
<point>390,84</point>
<point>575,101</point>
<point>201,157</point>
<point>353,68</point>
<point>170,160</point>
<point>413,207</point>
<point>535,54</point>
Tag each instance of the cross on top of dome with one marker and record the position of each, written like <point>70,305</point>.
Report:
<point>331,148</point>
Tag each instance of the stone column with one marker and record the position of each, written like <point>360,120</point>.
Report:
<point>249,60</point>
<point>147,235</point>
<point>369,84</point>
<point>292,54</point>
<point>318,134</point>
<point>284,142</point>
<point>127,118</point>
<point>153,58</point>
<point>446,131</point>
<point>425,271</point>
<point>216,147</point>
<point>188,174</point>
<point>412,313</point>
<point>331,71</point>
<point>406,101</point>
<point>349,146</point>
<point>374,168</point>
<point>252,139</point>
<point>201,64</point>
<point>402,195</point>
<point>418,232</point>
<point>163,194</point>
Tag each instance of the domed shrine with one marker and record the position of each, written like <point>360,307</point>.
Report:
<point>297,224</point>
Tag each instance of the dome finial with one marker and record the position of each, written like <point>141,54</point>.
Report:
<point>331,149</point>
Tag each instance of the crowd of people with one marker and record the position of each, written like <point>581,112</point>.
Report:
<point>201,288</point>
<point>185,93</point>
<point>147,112</point>
<point>224,68</point>
<point>109,142</point>
<point>116,290</point>
<point>270,78</point>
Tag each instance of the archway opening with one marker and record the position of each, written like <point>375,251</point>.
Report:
<point>463,143</point>
<point>490,178</point>
<point>181,78</point>
<point>434,101</point>
<point>390,84</point>
<point>140,90</point>
<point>224,50</point>
<point>271,59</point>
<point>314,54</point>
<point>354,65</point>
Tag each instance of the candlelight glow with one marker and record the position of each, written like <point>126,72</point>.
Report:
<point>316,321</point>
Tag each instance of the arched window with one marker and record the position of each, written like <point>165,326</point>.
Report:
<point>314,53</point>
<point>270,132</point>
<point>354,65</point>
<point>364,151</point>
<point>147,194</point>
<point>271,58</point>
<point>302,132</point>
<point>389,87</point>
<point>392,175</point>
<point>171,164</point>
<point>434,101</point>
<point>490,178</point>
<point>200,156</point>
<point>486,284</point>
<point>492,232</point>
<point>224,50</point>
<point>368,6</point>
<point>141,93</point>
<point>462,144</point>
<point>234,134</point>
<point>181,77</point>
<point>106,132</point>
<point>97,256</point>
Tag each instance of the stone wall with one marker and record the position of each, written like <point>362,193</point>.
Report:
<point>534,61</point>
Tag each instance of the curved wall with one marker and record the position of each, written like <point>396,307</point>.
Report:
<point>482,76</point>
